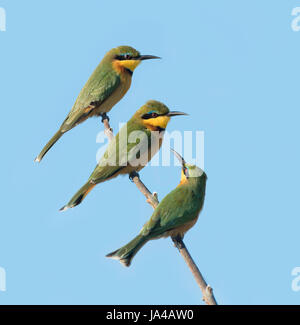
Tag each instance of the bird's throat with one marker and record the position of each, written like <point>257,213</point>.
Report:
<point>183,179</point>
<point>158,123</point>
<point>120,66</point>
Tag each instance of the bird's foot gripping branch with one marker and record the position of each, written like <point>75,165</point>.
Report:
<point>108,130</point>
<point>152,199</point>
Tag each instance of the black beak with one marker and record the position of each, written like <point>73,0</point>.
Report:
<point>174,113</point>
<point>148,57</point>
<point>181,160</point>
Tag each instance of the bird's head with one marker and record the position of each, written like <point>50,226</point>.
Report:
<point>126,58</point>
<point>155,116</point>
<point>190,174</point>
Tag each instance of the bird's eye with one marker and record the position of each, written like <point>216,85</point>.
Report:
<point>186,172</point>
<point>149,115</point>
<point>123,57</point>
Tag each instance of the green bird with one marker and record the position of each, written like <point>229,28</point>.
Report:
<point>104,89</point>
<point>174,215</point>
<point>132,148</point>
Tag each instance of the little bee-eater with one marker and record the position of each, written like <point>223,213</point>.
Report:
<point>174,215</point>
<point>104,89</point>
<point>132,148</point>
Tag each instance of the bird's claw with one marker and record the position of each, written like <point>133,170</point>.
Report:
<point>104,117</point>
<point>133,175</point>
<point>178,243</point>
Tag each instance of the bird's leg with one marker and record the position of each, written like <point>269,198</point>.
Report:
<point>104,117</point>
<point>178,243</point>
<point>107,129</point>
<point>132,175</point>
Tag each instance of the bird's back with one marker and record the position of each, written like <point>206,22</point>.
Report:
<point>101,92</point>
<point>177,212</point>
<point>131,150</point>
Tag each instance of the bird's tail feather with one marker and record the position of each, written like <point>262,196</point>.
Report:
<point>48,146</point>
<point>126,253</point>
<point>79,196</point>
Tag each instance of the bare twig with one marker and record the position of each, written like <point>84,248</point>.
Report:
<point>107,129</point>
<point>207,291</point>
<point>151,198</point>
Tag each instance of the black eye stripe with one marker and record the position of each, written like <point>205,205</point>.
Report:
<point>146,116</point>
<point>153,115</point>
<point>149,115</point>
<point>124,57</point>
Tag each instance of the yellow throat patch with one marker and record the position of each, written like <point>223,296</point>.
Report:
<point>120,66</point>
<point>158,122</point>
<point>183,179</point>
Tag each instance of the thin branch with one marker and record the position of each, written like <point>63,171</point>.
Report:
<point>207,291</point>
<point>107,129</point>
<point>151,198</point>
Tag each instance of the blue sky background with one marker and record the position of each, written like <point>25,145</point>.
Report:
<point>234,66</point>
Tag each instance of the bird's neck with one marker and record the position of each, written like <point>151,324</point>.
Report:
<point>183,179</point>
<point>125,66</point>
<point>157,124</point>
<point>155,128</point>
<point>194,184</point>
<point>129,71</point>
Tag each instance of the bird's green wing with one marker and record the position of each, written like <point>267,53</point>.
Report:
<point>118,155</point>
<point>177,208</point>
<point>98,88</point>
<point>106,166</point>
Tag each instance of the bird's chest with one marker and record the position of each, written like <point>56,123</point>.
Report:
<point>146,149</point>
<point>117,95</point>
<point>181,230</point>
<point>125,83</point>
